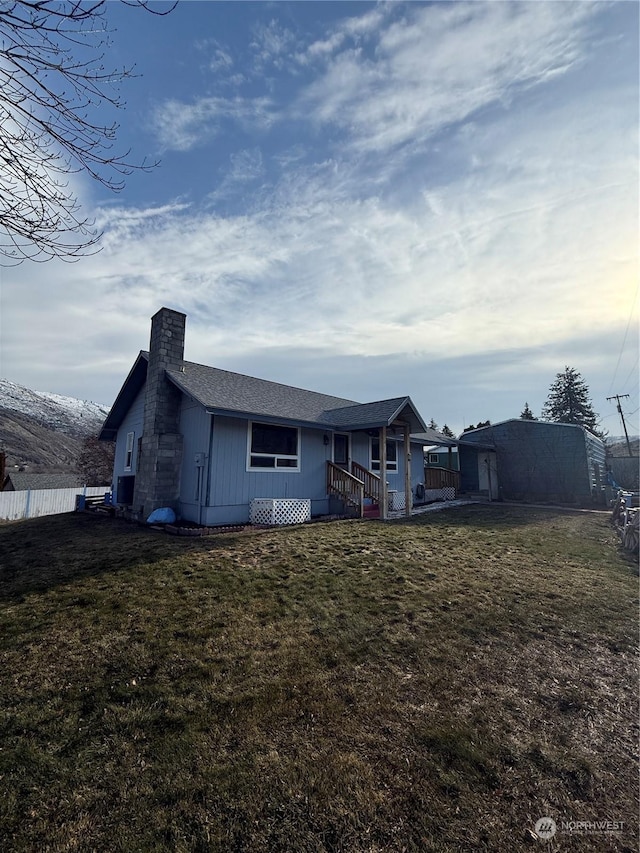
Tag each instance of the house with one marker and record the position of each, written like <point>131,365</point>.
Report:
<point>441,457</point>
<point>533,461</point>
<point>208,442</point>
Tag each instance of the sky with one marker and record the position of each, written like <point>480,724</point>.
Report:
<point>366,200</point>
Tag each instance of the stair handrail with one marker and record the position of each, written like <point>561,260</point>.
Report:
<point>337,481</point>
<point>370,481</point>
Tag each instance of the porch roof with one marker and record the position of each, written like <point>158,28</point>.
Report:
<point>375,415</point>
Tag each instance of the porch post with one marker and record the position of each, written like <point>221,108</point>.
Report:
<point>407,471</point>
<point>384,498</point>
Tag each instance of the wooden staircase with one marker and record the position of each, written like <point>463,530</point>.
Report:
<point>353,488</point>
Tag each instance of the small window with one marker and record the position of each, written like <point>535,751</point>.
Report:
<point>128,453</point>
<point>340,449</point>
<point>433,459</point>
<point>392,455</point>
<point>273,448</point>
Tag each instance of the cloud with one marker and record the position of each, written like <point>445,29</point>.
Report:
<point>439,64</point>
<point>272,44</point>
<point>470,218</point>
<point>181,126</point>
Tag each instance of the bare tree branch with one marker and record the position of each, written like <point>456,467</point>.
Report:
<point>53,81</point>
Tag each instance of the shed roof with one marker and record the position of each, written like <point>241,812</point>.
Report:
<point>523,424</point>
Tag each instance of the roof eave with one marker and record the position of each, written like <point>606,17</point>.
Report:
<point>127,394</point>
<point>264,418</point>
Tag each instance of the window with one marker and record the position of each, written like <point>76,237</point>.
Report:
<point>128,452</point>
<point>392,455</point>
<point>341,449</point>
<point>433,459</point>
<point>272,447</point>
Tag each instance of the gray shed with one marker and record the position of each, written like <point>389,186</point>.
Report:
<point>538,461</point>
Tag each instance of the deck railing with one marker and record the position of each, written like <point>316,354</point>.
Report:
<point>345,486</point>
<point>441,478</point>
<point>370,481</point>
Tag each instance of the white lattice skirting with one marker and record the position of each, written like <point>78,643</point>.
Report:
<point>279,511</point>
<point>396,500</point>
<point>446,494</point>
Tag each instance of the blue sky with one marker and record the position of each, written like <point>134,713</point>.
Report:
<point>433,199</point>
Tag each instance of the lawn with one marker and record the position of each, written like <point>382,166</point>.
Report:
<point>433,684</point>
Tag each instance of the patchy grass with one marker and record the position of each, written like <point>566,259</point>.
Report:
<point>435,684</point>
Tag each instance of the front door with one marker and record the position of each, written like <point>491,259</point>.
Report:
<point>488,474</point>
<point>341,450</point>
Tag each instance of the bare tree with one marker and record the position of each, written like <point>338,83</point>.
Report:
<point>95,464</point>
<point>53,83</point>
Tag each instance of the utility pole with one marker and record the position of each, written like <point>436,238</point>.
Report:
<point>617,398</point>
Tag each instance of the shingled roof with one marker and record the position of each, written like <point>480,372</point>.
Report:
<point>223,392</point>
<point>226,393</point>
<point>20,481</point>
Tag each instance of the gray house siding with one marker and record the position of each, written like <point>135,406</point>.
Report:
<point>132,423</point>
<point>232,487</point>
<point>195,426</point>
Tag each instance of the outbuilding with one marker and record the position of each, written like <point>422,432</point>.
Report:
<point>535,461</point>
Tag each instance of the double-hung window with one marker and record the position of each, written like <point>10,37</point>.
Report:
<point>128,451</point>
<point>392,455</point>
<point>273,447</point>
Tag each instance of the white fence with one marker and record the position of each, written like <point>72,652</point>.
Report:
<point>36,502</point>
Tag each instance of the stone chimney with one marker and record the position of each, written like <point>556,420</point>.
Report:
<point>160,452</point>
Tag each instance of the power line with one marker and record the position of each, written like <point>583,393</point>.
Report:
<point>624,339</point>
<point>617,398</point>
<point>631,372</point>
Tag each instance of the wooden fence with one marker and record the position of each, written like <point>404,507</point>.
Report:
<point>441,478</point>
<point>36,502</point>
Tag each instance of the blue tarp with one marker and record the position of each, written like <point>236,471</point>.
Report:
<point>163,515</point>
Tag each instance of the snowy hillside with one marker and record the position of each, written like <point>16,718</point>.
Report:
<point>52,410</point>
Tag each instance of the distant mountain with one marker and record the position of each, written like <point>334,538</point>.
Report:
<point>617,445</point>
<point>44,432</point>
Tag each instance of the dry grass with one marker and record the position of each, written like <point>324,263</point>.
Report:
<point>432,685</point>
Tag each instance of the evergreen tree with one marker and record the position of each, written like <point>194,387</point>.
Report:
<point>447,431</point>
<point>433,424</point>
<point>569,402</point>
<point>526,414</point>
